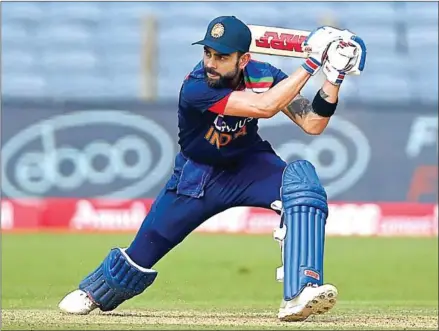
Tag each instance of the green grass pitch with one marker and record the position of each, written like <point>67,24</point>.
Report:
<point>222,282</point>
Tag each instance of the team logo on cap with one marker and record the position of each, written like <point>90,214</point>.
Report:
<point>217,30</point>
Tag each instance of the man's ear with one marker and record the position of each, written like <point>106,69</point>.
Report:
<point>244,60</point>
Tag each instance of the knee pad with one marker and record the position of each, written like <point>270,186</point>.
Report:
<point>116,280</point>
<point>304,214</point>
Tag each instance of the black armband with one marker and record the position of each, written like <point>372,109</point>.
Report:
<point>322,107</point>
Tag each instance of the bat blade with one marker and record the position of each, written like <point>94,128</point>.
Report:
<point>278,41</point>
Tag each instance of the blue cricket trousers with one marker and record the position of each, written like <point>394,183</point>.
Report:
<point>196,192</point>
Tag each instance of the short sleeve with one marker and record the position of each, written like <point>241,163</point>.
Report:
<point>278,74</point>
<point>198,95</point>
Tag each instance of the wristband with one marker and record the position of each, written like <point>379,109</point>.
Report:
<point>322,107</point>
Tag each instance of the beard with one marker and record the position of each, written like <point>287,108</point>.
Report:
<point>223,81</point>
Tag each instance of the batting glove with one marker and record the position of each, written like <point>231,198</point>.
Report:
<point>333,75</point>
<point>359,65</point>
<point>341,56</point>
<point>348,55</point>
<point>345,57</point>
<point>316,44</point>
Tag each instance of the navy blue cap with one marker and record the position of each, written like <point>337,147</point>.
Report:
<point>227,34</point>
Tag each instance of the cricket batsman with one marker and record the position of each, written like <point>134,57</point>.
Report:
<point>224,163</point>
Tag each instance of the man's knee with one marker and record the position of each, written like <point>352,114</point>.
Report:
<point>301,186</point>
<point>150,245</point>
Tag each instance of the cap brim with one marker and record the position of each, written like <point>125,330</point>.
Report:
<point>216,46</point>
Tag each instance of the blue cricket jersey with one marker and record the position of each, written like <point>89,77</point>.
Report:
<point>205,135</point>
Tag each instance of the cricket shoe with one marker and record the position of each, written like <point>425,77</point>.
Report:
<point>78,303</point>
<point>312,300</point>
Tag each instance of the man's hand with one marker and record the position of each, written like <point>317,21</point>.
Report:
<point>341,56</point>
<point>359,65</point>
<point>317,44</point>
<point>344,57</point>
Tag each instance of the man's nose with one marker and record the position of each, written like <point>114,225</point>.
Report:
<point>211,63</point>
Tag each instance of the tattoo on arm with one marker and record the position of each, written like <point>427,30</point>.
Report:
<point>300,106</point>
<point>323,94</point>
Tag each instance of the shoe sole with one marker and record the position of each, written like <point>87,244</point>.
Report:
<point>321,303</point>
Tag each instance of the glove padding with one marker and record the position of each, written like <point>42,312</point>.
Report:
<point>359,65</point>
<point>341,56</point>
<point>348,55</point>
<point>333,75</point>
<point>316,44</point>
<point>344,57</point>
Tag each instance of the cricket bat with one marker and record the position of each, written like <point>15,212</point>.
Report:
<point>278,41</point>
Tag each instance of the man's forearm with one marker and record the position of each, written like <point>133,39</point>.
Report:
<point>302,111</point>
<point>330,91</point>
<point>281,95</point>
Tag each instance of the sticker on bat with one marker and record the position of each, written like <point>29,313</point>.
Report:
<point>282,41</point>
